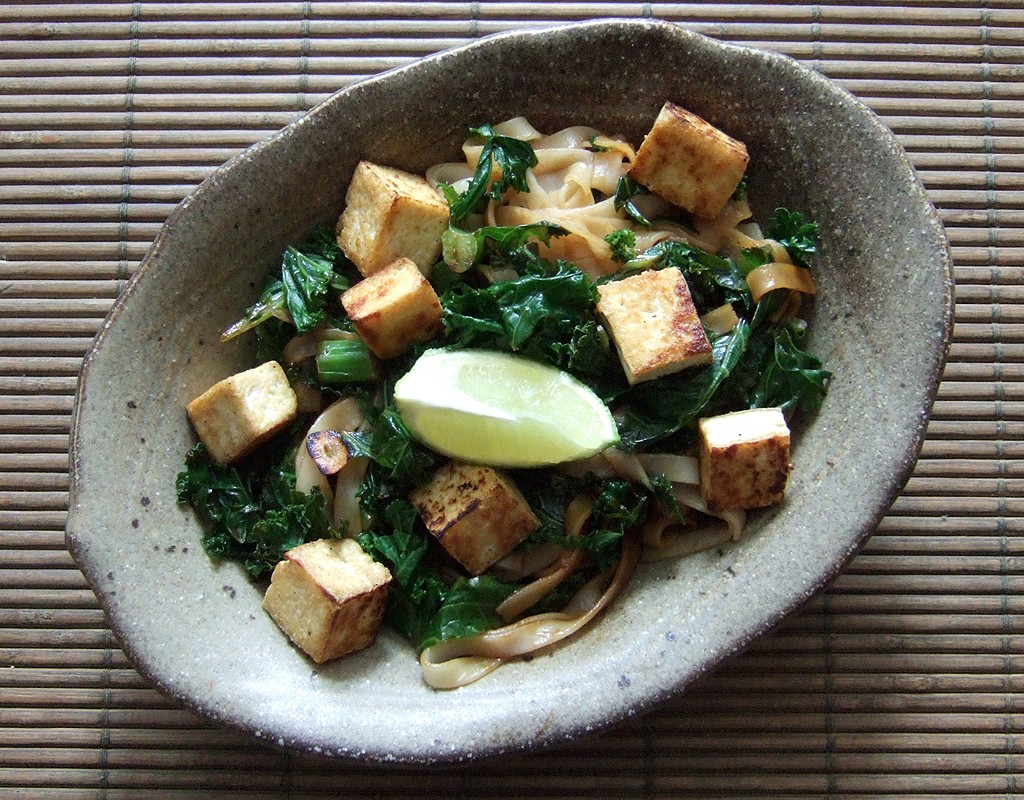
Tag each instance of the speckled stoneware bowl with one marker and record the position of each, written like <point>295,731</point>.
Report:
<point>881,321</point>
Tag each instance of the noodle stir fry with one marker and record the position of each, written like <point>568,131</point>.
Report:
<point>498,388</point>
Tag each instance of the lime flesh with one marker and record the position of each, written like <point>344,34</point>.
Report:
<point>501,410</point>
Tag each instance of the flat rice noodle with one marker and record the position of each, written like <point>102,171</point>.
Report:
<point>779,251</point>
<point>776,275</point>
<point>308,400</point>
<point>455,663</point>
<point>576,514</point>
<point>679,233</point>
<point>790,308</point>
<point>689,496</point>
<point>608,168</point>
<point>586,249</point>
<point>451,172</point>
<point>497,274</point>
<point>519,128</point>
<point>595,465</point>
<point>576,137</point>
<point>345,508</point>
<point>626,466</point>
<point>554,160</point>
<point>678,542</point>
<point>308,476</point>
<point>526,560</point>
<point>677,468</point>
<point>536,590</point>
<point>715,230</point>
<point>665,538</point>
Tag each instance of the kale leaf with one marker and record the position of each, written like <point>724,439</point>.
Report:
<point>790,378</point>
<point>625,190</point>
<point>306,279</point>
<point>398,461</point>
<point>618,507</point>
<point>253,515</point>
<point>512,156</point>
<point>421,606</point>
<point>464,249</point>
<point>546,314</point>
<point>467,609</point>
<point>623,244</point>
<point>713,279</point>
<point>418,590</point>
<point>775,371</point>
<point>796,233</point>
<point>658,409</point>
<point>309,271</point>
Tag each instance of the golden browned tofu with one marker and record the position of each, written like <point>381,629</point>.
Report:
<point>393,308</point>
<point>655,327</point>
<point>328,596</point>
<point>238,413</point>
<point>476,513</point>
<point>744,459</point>
<point>391,214</point>
<point>689,162</point>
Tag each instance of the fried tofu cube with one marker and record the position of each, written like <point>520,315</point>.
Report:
<point>328,596</point>
<point>391,214</point>
<point>744,459</point>
<point>653,322</point>
<point>689,162</point>
<point>239,413</point>
<point>393,308</point>
<point>477,514</point>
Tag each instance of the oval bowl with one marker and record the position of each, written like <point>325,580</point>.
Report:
<point>881,321</point>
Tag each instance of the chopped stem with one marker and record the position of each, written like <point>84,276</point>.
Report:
<point>344,361</point>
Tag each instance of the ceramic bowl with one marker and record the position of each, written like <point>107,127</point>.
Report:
<point>881,321</point>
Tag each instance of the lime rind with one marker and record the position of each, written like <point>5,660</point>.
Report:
<point>502,410</point>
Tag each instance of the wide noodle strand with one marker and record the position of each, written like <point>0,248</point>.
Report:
<point>573,185</point>
<point>458,662</point>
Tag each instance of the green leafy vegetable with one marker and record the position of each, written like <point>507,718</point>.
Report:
<point>462,250</point>
<point>421,606</point>
<point>776,372</point>
<point>713,279</point>
<point>623,244</point>
<point>467,609</point>
<point>299,295</point>
<point>270,305</point>
<point>625,190</point>
<point>512,156</point>
<point>546,314</point>
<point>398,462</point>
<point>790,378</point>
<point>306,279</point>
<point>253,516</point>
<point>662,489</point>
<point>657,409</point>
<point>751,258</point>
<point>417,591</point>
<point>796,233</point>
<point>618,507</point>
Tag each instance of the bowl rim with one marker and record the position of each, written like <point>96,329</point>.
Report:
<point>76,540</point>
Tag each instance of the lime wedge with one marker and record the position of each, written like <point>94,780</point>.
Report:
<point>501,410</point>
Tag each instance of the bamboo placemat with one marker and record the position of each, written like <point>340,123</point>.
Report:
<point>904,678</point>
